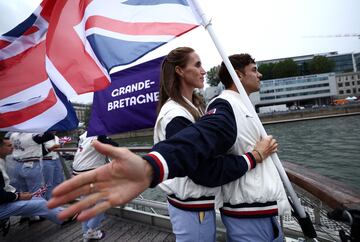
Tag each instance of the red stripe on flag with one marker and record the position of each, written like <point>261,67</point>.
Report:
<point>4,43</point>
<point>31,30</point>
<point>23,71</point>
<point>68,14</point>
<point>47,6</point>
<point>16,117</point>
<point>138,28</point>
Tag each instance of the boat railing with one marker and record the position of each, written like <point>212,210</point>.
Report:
<point>318,194</point>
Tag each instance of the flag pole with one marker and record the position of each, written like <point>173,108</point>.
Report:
<point>208,26</point>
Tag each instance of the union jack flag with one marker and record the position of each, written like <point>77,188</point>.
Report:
<point>28,100</point>
<point>83,39</point>
<point>102,34</point>
<point>40,192</point>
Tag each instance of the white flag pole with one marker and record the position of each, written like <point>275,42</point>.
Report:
<point>208,26</point>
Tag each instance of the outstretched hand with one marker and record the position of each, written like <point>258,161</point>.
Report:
<point>110,185</point>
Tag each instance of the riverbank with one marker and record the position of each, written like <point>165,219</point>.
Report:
<point>309,114</point>
<point>278,117</point>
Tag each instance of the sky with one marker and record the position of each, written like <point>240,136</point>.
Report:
<point>267,29</point>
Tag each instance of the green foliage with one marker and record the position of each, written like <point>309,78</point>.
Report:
<point>321,64</point>
<point>267,71</point>
<point>212,76</point>
<point>285,68</point>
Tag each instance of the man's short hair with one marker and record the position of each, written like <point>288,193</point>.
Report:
<point>238,61</point>
<point>3,136</point>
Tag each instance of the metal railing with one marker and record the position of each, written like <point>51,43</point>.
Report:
<point>318,195</point>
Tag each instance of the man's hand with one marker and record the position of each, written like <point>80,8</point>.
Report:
<point>116,183</point>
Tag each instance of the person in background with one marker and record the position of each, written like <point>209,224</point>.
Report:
<point>52,167</point>
<point>191,206</point>
<point>28,168</point>
<point>86,159</point>
<point>27,154</point>
<point>14,203</point>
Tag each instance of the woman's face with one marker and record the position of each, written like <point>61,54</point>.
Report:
<point>192,75</point>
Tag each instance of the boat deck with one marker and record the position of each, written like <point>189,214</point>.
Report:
<point>116,229</point>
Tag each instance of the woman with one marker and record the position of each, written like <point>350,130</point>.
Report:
<point>191,206</point>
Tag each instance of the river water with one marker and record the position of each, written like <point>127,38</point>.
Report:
<point>330,147</point>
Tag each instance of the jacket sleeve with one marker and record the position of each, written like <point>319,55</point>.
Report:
<point>42,138</point>
<point>182,154</point>
<point>107,140</point>
<point>226,168</point>
<point>175,125</point>
<point>5,197</point>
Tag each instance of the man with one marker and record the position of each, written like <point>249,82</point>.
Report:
<point>53,171</point>
<point>14,203</point>
<point>27,154</point>
<point>218,132</point>
<point>252,201</point>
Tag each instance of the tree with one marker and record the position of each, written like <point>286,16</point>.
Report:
<point>212,76</point>
<point>321,64</point>
<point>285,68</point>
<point>267,71</point>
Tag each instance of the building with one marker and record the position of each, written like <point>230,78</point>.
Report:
<point>349,62</point>
<point>348,84</point>
<point>297,91</point>
<point>81,111</point>
<point>308,90</point>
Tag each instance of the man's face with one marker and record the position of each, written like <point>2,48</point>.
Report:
<point>6,148</point>
<point>251,78</point>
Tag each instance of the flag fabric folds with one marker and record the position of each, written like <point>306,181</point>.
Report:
<point>28,100</point>
<point>87,38</point>
<point>129,103</point>
<point>66,48</point>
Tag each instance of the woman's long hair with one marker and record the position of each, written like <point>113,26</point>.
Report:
<point>170,81</point>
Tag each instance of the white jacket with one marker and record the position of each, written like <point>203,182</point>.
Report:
<point>260,191</point>
<point>182,192</point>
<point>86,157</point>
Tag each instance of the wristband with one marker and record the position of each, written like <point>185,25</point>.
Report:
<point>261,157</point>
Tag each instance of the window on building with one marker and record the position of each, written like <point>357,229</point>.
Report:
<point>353,83</point>
<point>354,90</point>
<point>358,82</point>
<point>341,92</point>
<point>340,84</point>
<point>347,84</point>
<point>348,91</point>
